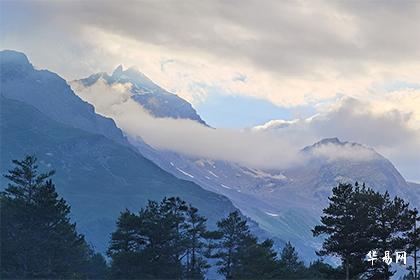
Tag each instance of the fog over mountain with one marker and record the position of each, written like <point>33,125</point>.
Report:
<point>266,171</point>
<point>304,58</point>
<point>268,114</point>
<point>97,171</point>
<point>185,135</point>
<point>157,101</point>
<point>351,119</point>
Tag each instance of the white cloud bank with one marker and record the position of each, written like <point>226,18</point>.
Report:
<point>378,124</point>
<point>291,52</point>
<point>266,148</point>
<point>186,136</point>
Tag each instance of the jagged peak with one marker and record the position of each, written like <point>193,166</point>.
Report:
<point>131,73</point>
<point>118,71</point>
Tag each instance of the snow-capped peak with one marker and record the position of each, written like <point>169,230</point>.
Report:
<point>118,71</point>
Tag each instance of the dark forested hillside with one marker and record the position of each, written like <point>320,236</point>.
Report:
<point>98,177</point>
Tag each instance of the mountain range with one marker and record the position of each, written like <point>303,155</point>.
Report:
<point>102,170</point>
<point>97,171</point>
<point>288,202</point>
<point>285,202</point>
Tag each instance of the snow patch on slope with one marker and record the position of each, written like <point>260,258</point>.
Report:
<point>185,173</point>
<point>272,214</point>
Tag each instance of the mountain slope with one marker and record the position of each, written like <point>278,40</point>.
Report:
<point>98,171</point>
<point>288,203</point>
<point>355,163</point>
<point>159,102</point>
<point>414,185</point>
<point>98,177</point>
<point>51,94</point>
<point>415,189</point>
<point>285,202</point>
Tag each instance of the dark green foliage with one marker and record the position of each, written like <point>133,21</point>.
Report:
<point>197,238</point>
<point>124,246</point>
<point>390,220</point>
<point>256,260</point>
<point>290,265</point>
<point>164,240</point>
<point>342,224</point>
<point>413,243</point>
<point>170,240</point>
<point>233,232</point>
<point>97,267</point>
<point>239,253</point>
<point>97,177</point>
<point>37,238</point>
<point>409,276</point>
<point>358,220</point>
<point>320,270</point>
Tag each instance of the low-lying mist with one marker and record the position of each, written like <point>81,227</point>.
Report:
<point>250,147</point>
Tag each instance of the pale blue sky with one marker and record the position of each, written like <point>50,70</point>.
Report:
<point>221,109</point>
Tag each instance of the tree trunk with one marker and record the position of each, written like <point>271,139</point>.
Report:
<point>415,264</point>
<point>415,248</point>
<point>347,269</point>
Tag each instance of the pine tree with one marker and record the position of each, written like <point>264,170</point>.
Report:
<point>256,260</point>
<point>197,235</point>
<point>409,276</point>
<point>37,238</point>
<point>320,270</point>
<point>174,213</point>
<point>413,242</point>
<point>233,231</point>
<point>145,245</point>
<point>164,240</point>
<point>290,265</point>
<point>359,220</point>
<point>97,267</point>
<point>345,222</point>
<point>239,253</point>
<point>124,248</point>
<point>390,221</point>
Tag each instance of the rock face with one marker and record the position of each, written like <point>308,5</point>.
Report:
<point>159,102</point>
<point>51,95</point>
<point>289,202</point>
<point>97,171</point>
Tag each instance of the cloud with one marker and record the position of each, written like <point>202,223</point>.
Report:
<point>346,151</point>
<point>287,37</point>
<point>186,136</point>
<point>292,52</point>
<point>379,124</point>
<point>275,145</point>
<point>356,120</point>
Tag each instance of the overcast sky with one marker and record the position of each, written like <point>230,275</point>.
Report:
<point>292,59</point>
